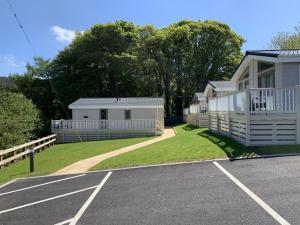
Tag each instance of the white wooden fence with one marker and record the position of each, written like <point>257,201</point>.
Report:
<point>277,100</point>
<point>10,155</point>
<point>272,99</point>
<point>258,116</point>
<point>142,124</point>
<point>198,108</point>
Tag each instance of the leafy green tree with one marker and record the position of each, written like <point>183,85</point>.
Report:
<point>18,119</point>
<point>286,40</point>
<point>122,59</point>
<point>37,84</point>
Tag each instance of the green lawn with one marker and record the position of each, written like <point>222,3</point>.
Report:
<point>190,144</point>
<point>61,155</point>
<point>187,145</point>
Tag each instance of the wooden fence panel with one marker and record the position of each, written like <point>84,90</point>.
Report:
<point>10,155</point>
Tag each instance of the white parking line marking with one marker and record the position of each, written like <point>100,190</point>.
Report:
<point>64,222</point>
<point>90,199</point>
<point>257,199</point>
<point>47,199</point>
<point>8,183</point>
<point>43,184</point>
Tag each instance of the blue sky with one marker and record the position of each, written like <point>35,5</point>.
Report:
<point>50,24</point>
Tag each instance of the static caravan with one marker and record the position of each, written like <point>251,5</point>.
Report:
<point>104,118</point>
<point>265,109</point>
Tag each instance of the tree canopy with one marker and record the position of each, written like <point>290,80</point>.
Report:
<point>122,59</point>
<point>19,119</point>
<point>287,40</point>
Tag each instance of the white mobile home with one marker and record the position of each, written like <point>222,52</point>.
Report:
<point>196,114</point>
<point>102,118</point>
<point>219,88</point>
<point>265,109</point>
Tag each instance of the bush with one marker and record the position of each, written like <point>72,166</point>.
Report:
<point>19,119</point>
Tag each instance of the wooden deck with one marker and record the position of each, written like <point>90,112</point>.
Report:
<point>90,130</point>
<point>258,117</point>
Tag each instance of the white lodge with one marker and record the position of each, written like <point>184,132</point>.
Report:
<point>265,109</point>
<point>104,118</point>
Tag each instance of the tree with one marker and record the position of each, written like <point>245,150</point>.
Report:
<point>18,119</point>
<point>122,59</point>
<point>37,84</point>
<point>286,40</point>
<point>188,54</point>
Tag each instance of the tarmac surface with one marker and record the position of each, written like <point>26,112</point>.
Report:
<point>255,191</point>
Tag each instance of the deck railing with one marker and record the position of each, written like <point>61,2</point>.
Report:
<point>272,99</point>
<point>142,124</point>
<point>235,102</point>
<point>198,108</point>
<point>255,100</point>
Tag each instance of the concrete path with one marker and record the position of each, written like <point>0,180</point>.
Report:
<point>86,164</point>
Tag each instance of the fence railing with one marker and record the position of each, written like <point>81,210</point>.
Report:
<point>198,108</point>
<point>10,155</point>
<point>272,99</point>
<point>143,124</point>
<point>255,100</point>
<point>235,102</point>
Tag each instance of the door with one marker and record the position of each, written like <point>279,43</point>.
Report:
<point>103,119</point>
<point>265,97</point>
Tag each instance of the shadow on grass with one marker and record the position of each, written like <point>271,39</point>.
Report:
<point>234,149</point>
<point>189,127</point>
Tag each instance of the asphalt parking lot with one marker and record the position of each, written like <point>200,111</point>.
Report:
<point>257,191</point>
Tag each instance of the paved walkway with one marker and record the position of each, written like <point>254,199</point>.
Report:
<point>86,164</point>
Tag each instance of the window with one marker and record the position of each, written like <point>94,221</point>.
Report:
<point>103,114</point>
<point>246,84</point>
<point>266,80</point>
<point>85,117</point>
<point>266,75</point>
<point>244,81</point>
<point>127,114</point>
<point>264,66</point>
<point>241,86</point>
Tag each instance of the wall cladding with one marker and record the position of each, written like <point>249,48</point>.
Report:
<point>273,129</point>
<point>198,119</point>
<point>232,125</point>
<point>264,129</point>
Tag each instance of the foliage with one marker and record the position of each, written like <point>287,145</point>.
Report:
<point>62,155</point>
<point>18,119</point>
<point>122,59</point>
<point>35,85</point>
<point>286,40</point>
<point>6,83</point>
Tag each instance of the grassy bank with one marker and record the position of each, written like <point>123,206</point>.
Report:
<point>191,144</point>
<point>61,155</point>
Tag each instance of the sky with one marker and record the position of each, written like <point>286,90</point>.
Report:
<point>50,24</point>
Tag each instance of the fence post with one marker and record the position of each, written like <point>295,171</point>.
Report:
<point>31,160</point>
<point>228,116</point>
<point>1,158</point>
<point>297,107</point>
<point>217,115</point>
<point>247,117</point>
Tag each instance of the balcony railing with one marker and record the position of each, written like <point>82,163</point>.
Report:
<point>198,108</point>
<point>146,124</point>
<point>255,100</point>
<point>272,99</point>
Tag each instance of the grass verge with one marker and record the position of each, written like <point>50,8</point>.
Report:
<point>191,144</point>
<point>187,145</point>
<point>61,155</point>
